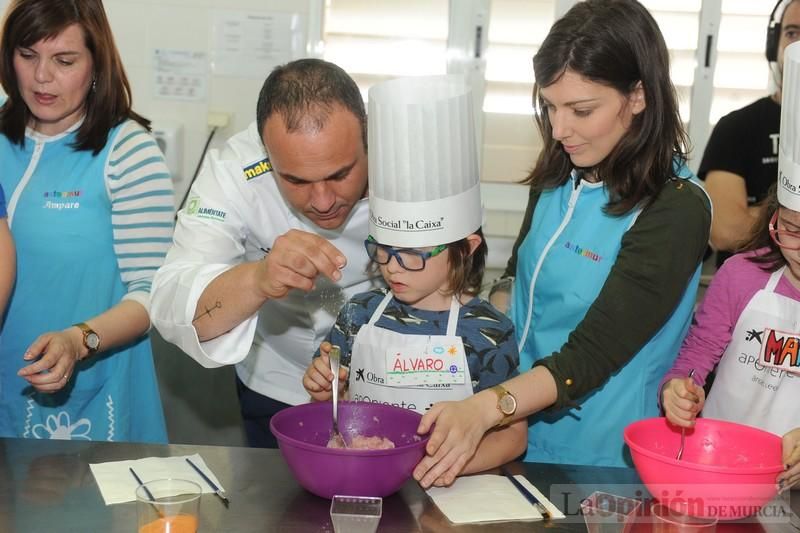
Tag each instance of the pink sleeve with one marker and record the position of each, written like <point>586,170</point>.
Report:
<point>712,328</point>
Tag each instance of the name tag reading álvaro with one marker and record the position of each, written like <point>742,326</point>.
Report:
<point>439,361</point>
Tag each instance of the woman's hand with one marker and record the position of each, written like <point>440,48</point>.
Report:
<point>682,399</point>
<point>791,460</point>
<point>459,428</point>
<point>57,352</point>
<point>318,377</point>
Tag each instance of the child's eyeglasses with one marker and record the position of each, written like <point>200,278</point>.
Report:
<point>786,239</point>
<point>408,258</point>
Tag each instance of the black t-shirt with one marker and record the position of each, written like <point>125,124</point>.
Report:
<point>745,142</point>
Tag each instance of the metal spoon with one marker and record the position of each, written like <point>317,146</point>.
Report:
<point>683,430</point>
<point>334,356</point>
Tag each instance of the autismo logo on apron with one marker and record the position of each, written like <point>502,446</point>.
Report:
<point>59,200</point>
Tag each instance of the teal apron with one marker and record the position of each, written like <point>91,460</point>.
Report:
<point>67,272</point>
<point>567,256</point>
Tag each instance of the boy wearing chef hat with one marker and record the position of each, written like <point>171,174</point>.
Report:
<point>428,337</point>
<point>747,325</point>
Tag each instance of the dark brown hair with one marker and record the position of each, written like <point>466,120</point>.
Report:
<point>772,259</point>
<point>616,43</point>
<point>305,91</point>
<point>108,103</point>
<point>466,269</point>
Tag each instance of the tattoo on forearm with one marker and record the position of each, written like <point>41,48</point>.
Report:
<point>208,311</point>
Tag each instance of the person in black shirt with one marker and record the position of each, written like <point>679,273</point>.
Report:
<point>740,161</point>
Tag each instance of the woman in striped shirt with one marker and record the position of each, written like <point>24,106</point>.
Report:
<point>90,207</point>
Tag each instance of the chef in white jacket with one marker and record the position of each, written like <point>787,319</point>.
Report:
<point>270,243</point>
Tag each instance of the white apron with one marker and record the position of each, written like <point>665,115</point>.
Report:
<point>747,391</point>
<point>406,370</point>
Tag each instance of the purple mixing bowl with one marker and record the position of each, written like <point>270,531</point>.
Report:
<point>303,432</point>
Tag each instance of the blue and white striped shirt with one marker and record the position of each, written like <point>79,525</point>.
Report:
<point>140,189</point>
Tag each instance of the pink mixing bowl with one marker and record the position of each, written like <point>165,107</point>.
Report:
<point>727,471</point>
<point>303,432</point>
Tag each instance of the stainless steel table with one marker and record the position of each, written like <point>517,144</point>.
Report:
<point>47,486</point>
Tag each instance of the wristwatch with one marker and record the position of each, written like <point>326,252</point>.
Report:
<point>506,404</point>
<point>90,338</point>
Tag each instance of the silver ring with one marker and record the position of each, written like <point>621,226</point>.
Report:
<point>65,377</point>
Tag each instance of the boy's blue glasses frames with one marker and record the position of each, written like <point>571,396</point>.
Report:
<point>408,258</point>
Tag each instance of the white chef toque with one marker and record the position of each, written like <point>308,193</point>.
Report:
<point>424,185</point>
<point>789,143</point>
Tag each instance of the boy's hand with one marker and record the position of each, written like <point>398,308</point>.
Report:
<point>682,399</point>
<point>318,377</point>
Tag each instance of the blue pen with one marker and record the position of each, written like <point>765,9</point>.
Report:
<point>528,494</point>
<point>141,484</point>
<point>150,497</point>
<point>219,492</point>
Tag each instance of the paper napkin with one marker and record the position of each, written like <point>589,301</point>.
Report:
<point>117,484</point>
<point>488,498</point>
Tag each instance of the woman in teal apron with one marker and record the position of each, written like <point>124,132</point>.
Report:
<point>607,263</point>
<point>90,209</point>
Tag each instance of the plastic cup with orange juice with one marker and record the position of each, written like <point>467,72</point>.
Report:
<point>168,506</point>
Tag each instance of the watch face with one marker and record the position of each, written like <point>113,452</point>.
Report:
<point>92,341</point>
<point>508,404</point>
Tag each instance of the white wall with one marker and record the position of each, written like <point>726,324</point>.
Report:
<point>141,26</point>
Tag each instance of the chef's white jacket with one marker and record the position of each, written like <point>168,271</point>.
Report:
<point>234,210</point>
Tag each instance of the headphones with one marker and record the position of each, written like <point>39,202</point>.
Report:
<point>774,30</point>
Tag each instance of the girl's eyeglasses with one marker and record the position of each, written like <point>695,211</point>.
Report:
<point>786,239</point>
<point>408,258</point>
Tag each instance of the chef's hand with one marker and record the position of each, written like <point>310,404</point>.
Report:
<point>682,399</point>
<point>296,260</point>
<point>791,460</point>
<point>459,428</point>
<point>318,377</point>
<point>56,353</point>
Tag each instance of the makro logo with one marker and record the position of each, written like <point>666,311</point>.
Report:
<point>257,169</point>
<point>407,225</point>
<point>193,208</point>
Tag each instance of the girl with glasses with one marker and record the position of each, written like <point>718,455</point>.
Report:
<point>746,328</point>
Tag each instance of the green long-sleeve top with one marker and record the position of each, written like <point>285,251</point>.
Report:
<point>658,256</point>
